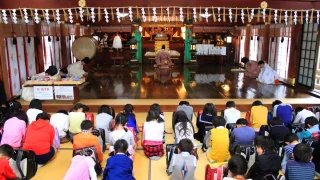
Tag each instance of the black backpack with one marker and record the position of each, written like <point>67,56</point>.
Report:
<point>32,165</point>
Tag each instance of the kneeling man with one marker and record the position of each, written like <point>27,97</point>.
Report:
<point>163,58</point>
<point>267,75</point>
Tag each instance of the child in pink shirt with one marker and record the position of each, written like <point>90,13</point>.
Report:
<point>14,129</point>
<point>81,168</point>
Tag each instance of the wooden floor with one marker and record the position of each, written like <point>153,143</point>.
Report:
<point>144,169</point>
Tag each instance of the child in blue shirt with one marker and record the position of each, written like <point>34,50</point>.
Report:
<point>119,166</point>
<point>291,140</point>
<point>300,167</point>
<point>132,122</point>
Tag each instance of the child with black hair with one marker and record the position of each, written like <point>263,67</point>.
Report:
<point>301,115</point>
<point>132,122</point>
<point>219,142</point>
<point>277,129</point>
<point>291,140</point>
<point>35,108</point>
<point>104,119</point>
<point>87,139</point>
<point>153,135</point>
<point>231,114</point>
<point>183,127</point>
<point>312,126</point>
<point>119,166</point>
<point>267,161</point>
<point>185,106</point>
<point>300,167</point>
<point>14,129</point>
<point>120,132</point>
<point>6,172</point>
<point>75,119</point>
<point>205,119</point>
<point>238,167</point>
<point>242,135</point>
<point>157,107</point>
<point>183,165</point>
<point>13,106</point>
<point>258,115</point>
<point>60,120</point>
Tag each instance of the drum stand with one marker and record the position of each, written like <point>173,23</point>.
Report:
<point>117,58</point>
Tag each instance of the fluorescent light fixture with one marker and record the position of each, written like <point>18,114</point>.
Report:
<point>204,15</point>
<point>123,15</point>
<point>229,39</point>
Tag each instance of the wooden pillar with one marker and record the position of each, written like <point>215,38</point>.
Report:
<point>78,30</point>
<point>39,47</point>
<point>247,41</point>
<point>63,38</point>
<point>266,41</point>
<point>294,58</point>
<point>4,75</point>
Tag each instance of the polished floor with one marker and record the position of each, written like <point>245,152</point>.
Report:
<point>180,82</point>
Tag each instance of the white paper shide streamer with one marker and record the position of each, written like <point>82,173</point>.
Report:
<point>230,15</point>
<point>195,14</point>
<point>36,16</point>
<point>14,16</point>
<point>307,16</point>
<point>242,15</point>
<point>144,18</point>
<point>219,18</point>
<point>47,16</point>
<point>181,15</point>
<point>81,13</point>
<point>275,16</point>
<point>4,17</point>
<point>318,17</point>
<point>168,13</point>
<point>206,14</point>
<point>106,15</point>
<point>130,14</point>
<point>252,14</point>
<point>295,17</point>
<point>70,16</point>
<point>92,15</point>
<point>58,16</point>
<point>25,12</point>
<point>264,15</point>
<point>154,17</point>
<point>286,17</point>
<point>118,14</point>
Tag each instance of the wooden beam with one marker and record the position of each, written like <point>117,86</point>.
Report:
<point>63,39</point>
<point>266,42</point>
<point>296,34</point>
<point>247,41</point>
<point>39,48</point>
<point>4,75</point>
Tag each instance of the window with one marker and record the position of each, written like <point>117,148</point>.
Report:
<point>253,48</point>
<point>73,59</point>
<point>47,51</point>
<point>307,65</point>
<point>283,53</point>
<point>317,78</point>
<point>242,40</point>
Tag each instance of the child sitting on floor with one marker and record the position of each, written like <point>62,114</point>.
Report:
<point>6,172</point>
<point>238,166</point>
<point>75,119</point>
<point>183,165</point>
<point>104,120</point>
<point>291,141</point>
<point>301,167</point>
<point>81,168</point>
<point>278,130</point>
<point>258,115</point>
<point>219,142</point>
<point>119,166</point>
<point>35,108</point>
<point>87,139</point>
<point>60,120</point>
<point>231,114</point>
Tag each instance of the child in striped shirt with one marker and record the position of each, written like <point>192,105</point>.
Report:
<point>300,167</point>
<point>291,141</point>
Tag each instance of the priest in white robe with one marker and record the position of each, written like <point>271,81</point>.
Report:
<point>267,75</point>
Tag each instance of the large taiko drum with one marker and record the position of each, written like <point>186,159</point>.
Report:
<point>85,46</point>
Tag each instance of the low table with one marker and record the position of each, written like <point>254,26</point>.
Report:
<point>117,58</point>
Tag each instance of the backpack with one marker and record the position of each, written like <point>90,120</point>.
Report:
<point>248,152</point>
<point>24,164</point>
<point>215,173</point>
<point>171,149</point>
<point>264,130</point>
<point>90,152</point>
<point>231,127</point>
<point>102,140</point>
<point>90,117</point>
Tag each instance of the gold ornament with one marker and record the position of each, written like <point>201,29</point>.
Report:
<point>264,4</point>
<point>82,3</point>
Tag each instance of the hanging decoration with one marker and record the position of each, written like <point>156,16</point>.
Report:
<point>275,16</point>
<point>206,14</point>
<point>264,14</point>
<point>168,14</point>
<point>58,16</point>
<point>252,14</point>
<point>154,17</point>
<point>81,13</point>
<point>219,18</point>
<point>242,15</point>
<point>286,17</point>
<point>144,18</point>
<point>106,15</point>
<point>230,15</point>
<point>181,15</point>
<point>47,16</point>
<point>318,17</point>
<point>25,12</point>
<point>130,14</point>
<point>36,16</point>
<point>93,15</point>
<point>295,17</point>
<point>118,14</point>
<point>70,16</point>
<point>14,16</point>
<point>4,17</point>
<point>195,14</point>
<point>307,16</point>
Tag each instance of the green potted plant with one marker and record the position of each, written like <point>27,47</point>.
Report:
<point>137,22</point>
<point>188,22</point>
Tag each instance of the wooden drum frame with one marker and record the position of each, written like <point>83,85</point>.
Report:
<point>85,46</point>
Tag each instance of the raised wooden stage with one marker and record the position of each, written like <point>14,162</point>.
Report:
<point>145,85</point>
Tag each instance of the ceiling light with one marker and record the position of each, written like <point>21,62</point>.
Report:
<point>204,15</point>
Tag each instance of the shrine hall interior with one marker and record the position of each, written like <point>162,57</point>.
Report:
<point>206,41</point>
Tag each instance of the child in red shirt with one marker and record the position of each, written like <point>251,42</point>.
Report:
<point>6,152</point>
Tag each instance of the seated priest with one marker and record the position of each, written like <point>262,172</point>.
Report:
<point>76,69</point>
<point>267,75</point>
<point>252,68</point>
<point>163,58</point>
